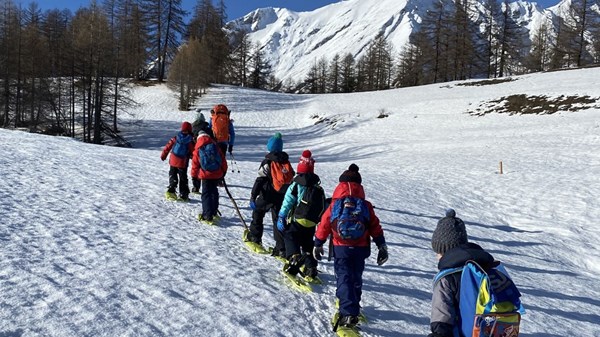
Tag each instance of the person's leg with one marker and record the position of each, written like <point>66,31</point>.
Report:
<point>344,281</point>
<point>257,226</point>
<point>184,189</point>
<point>196,185</point>
<point>306,240</point>
<point>358,267</point>
<point>214,197</point>
<point>279,249</point>
<point>290,239</point>
<point>173,180</point>
<point>207,189</point>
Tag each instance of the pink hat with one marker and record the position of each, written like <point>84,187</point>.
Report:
<point>306,164</point>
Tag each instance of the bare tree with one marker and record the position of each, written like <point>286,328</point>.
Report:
<point>240,56</point>
<point>539,56</point>
<point>166,27</point>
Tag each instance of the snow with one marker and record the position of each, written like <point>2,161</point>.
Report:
<point>90,247</point>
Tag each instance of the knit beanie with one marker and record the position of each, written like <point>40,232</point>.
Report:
<point>351,175</point>
<point>449,233</point>
<point>306,163</point>
<point>275,143</point>
<point>186,127</point>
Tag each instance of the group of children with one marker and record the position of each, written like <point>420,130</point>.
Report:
<point>200,144</point>
<point>303,220</point>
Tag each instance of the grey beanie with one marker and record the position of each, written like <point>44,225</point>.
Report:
<point>449,233</point>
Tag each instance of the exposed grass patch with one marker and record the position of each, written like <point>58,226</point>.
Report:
<point>540,105</point>
<point>486,82</point>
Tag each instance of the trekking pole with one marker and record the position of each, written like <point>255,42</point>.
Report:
<point>234,162</point>
<point>235,205</point>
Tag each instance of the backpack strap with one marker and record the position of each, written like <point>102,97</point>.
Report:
<point>445,272</point>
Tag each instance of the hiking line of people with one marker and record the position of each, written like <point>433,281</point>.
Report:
<point>472,293</point>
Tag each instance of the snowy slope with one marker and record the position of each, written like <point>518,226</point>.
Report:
<point>90,247</point>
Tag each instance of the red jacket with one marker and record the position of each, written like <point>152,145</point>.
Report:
<point>174,160</point>
<point>325,227</point>
<point>197,171</point>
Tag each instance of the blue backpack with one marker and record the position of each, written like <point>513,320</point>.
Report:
<point>490,304</point>
<point>181,148</point>
<point>210,157</point>
<point>351,217</point>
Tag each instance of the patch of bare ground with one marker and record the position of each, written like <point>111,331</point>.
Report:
<point>521,104</point>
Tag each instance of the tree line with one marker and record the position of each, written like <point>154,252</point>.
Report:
<point>70,73</point>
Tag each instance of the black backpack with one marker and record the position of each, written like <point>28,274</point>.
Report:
<point>310,208</point>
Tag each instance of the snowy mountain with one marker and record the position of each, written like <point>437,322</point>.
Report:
<point>293,42</point>
<point>90,247</point>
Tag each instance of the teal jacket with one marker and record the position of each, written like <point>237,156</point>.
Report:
<point>295,192</point>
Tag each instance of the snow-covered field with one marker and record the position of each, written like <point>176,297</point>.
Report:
<point>89,246</point>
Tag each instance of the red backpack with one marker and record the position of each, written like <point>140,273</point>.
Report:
<point>220,123</point>
<point>281,175</point>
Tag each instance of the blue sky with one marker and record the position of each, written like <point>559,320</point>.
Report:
<point>235,8</point>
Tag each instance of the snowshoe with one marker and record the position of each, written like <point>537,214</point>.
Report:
<point>297,283</point>
<point>346,326</point>
<point>171,196</point>
<point>362,318</point>
<point>207,221</point>
<point>256,247</point>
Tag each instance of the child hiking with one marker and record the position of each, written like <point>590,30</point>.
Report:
<point>301,211</point>
<point>274,175</point>
<point>208,165</point>
<point>352,222</point>
<point>222,127</point>
<point>455,294</point>
<point>181,147</point>
<point>199,124</point>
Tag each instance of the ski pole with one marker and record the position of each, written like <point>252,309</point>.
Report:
<point>235,205</point>
<point>234,162</point>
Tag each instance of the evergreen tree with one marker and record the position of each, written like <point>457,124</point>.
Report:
<point>347,74</point>
<point>260,70</point>
<point>334,75</point>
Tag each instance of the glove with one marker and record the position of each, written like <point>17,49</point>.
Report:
<point>318,252</point>
<point>230,149</point>
<point>252,205</point>
<point>281,223</point>
<point>382,256</point>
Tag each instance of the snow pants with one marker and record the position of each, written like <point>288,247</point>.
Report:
<point>298,240</point>
<point>179,175</point>
<point>349,264</point>
<point>257,225</point>
<point>210,198</point>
